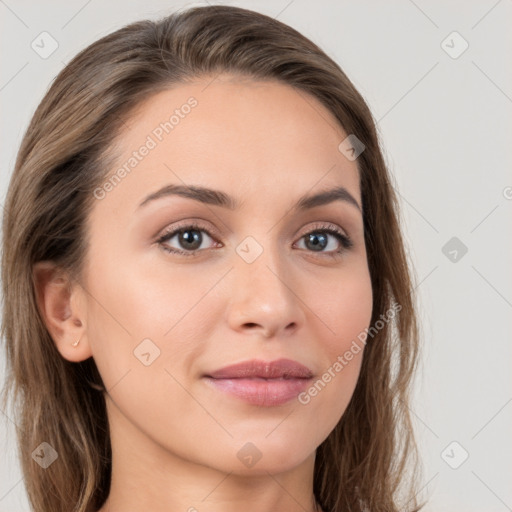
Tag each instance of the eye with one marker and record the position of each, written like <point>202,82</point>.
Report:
<point>318,240</point>
<point>189,239</point>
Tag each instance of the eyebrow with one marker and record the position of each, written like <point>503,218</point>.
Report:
<point>219,198</point>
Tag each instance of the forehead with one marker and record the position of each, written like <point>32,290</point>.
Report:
<point>231,133</point>
<point>230,106</point>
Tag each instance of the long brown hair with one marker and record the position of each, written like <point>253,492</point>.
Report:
<point>65,154</point>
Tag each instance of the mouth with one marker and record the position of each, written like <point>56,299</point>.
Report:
<point>262,383</point>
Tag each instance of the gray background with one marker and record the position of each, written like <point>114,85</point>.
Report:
<point>444,119</point>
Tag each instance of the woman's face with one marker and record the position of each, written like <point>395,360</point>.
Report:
<point>256,278</point>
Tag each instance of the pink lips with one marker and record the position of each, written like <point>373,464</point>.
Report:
<point>262,383</point>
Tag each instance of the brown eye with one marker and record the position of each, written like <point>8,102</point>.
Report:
<point>189,239</point>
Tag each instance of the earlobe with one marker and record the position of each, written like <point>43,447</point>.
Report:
<point>62,314</point>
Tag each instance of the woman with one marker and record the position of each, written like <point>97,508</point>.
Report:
<point>207,301</point>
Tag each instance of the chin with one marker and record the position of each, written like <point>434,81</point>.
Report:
<point>259,457</point>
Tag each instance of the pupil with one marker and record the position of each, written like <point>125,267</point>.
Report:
<point>315,242</point>
<point>187,239</point>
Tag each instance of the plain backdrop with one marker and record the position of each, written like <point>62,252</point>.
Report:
<point>438,80</point>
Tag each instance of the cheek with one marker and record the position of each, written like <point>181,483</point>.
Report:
<point>137,325</point>
<point>343,309</point>
<point>145,299</point>
<point>345,306</point>
<point>143,313</point>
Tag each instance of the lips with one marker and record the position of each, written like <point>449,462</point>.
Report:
<point>282,368</point>
<point>260,382</point>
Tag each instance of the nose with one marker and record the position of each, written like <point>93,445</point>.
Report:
<point>263,297</point>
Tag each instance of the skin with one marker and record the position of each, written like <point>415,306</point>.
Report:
<point>174,439</point>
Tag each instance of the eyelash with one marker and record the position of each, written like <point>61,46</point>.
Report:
<point>344,240</point>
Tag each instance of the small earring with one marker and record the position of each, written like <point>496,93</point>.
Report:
<point>76,342</point>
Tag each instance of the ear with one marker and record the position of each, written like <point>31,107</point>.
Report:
<point>62,307</point>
